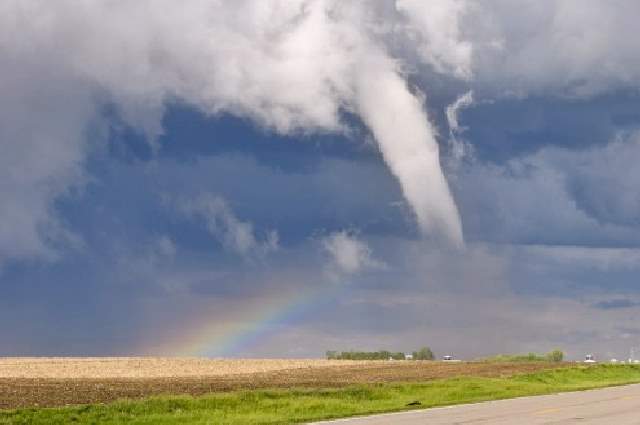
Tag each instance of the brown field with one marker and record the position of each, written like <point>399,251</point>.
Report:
<point>30,382</point>
<point>147,367</point>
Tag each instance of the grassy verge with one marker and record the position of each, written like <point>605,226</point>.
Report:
<point>301,405</point>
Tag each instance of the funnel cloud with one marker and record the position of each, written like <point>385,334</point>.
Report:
<point>408,145</point>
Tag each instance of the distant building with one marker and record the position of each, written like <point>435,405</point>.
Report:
<point>589,358</point>
<point>408,356</point>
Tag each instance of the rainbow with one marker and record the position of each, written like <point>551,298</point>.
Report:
<point>258,319</point>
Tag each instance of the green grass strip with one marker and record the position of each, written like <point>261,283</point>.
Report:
<point>303,405</point>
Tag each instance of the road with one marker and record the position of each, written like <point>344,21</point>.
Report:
<point>611,406</point>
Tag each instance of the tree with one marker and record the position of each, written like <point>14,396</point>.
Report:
<point>424,353</point>
<point>555,356</point>
<point>397,356</point>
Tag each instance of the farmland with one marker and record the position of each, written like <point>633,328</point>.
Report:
<point>304,394</point>
<point>49,382</point>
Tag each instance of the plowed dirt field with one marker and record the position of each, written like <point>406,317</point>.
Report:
<point>31,382</point>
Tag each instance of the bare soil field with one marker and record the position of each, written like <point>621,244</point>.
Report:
<point>48,382</point>
<point>147,367</point>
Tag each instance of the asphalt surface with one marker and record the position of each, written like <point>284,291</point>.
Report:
<point>610,406</point>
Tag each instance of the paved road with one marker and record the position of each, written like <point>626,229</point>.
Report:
<point>610,406</point>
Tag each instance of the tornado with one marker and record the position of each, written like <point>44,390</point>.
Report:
<point>406,139</point>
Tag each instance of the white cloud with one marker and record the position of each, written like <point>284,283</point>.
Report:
<point>563,47</point>
<point>348,254</point>
<point>459,148</point>
<point>235,235</point>
<point>434,29</point>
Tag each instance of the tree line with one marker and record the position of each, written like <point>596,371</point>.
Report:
<point>551,356</point>
<point>424,353</point>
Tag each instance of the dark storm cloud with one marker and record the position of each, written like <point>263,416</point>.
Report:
<point>556,196</point>
<point>118,120</point>
<point>509,128</point>
<point>191,135</point>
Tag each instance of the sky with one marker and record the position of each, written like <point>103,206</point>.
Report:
<point>280,178</point>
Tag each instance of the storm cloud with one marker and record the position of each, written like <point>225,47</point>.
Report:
<point>165,164</point>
